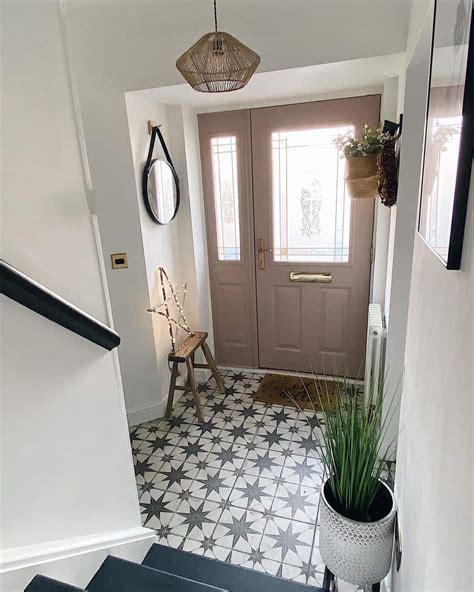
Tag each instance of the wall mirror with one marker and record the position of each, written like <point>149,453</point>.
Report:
<point>160,184</point>
<point>449,132</point>
<point>162,191</point>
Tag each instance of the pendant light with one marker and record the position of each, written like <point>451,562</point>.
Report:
<point>218,62</point>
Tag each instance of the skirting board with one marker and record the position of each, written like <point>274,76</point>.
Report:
<point>73,561</point>
<point>157,410</point>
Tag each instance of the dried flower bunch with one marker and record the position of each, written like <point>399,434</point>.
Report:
<point>370,142</point>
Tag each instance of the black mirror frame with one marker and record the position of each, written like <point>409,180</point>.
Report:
<point>146,173</point>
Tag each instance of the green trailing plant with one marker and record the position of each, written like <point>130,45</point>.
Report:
<point>350,442</point>
<point>370,142</point>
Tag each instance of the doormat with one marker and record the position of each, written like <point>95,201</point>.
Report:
<point>302,390</point>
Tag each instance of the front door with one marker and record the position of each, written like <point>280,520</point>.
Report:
<point>308,263</point>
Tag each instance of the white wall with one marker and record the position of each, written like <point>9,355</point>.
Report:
<point>118,47</point>
<point>434,487</point>
<point>403,223</point>
<point>65,454</point>
<point>435,454</point>
<point>170,246</point>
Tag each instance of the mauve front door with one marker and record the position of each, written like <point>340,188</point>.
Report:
<point>289,252</point>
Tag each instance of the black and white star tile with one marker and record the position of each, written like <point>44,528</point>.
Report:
<point>242,487</point>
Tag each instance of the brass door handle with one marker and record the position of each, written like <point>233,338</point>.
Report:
<point>261,250</point>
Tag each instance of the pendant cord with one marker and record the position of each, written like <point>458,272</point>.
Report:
<point>215,14</point>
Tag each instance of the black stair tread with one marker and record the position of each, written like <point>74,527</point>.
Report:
<point>44,584</point>
<point>116,575</point>
<point>218,573</point>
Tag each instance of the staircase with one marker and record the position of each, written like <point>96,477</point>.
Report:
<point>168,570</point>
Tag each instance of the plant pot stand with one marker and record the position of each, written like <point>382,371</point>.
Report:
<point>329,579</point>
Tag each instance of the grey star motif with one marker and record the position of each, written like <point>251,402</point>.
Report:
<point>308,444</point>
<point>256,556</point>
<point>145,487</point>
<point>260,424</point>
<point>253,492</point>
<point>240,528</point>
<point>185,494</point>
<point>192,449</point>
<point>230,390</point>
<point>263,461</point>
<point>295,501</point>
<point>238,432</point>
<point>187,404</point>
<point>175,475</point>
<point>248,412</point>
<point>308,570</point>
<point>250,446</point>
<point>208,543</point>
<point>212,483</point>
<point>313,421</point>
<point>156,507</point>
<point>272,437</point>
<point>240,472</point>
<point>153,429</point>
<point>196,517</point>
<point>287,540</point>
<point>226,455</point>
<point>159,443</point>
<point>219,408</point>
<point>206,426</point>
<point>175,422</point>
<point>202,388</point>
<point>215,439</point>
<point>237,376</point>
<point>167,458</point>
<point>202,464</point>
<point>142,466</point>
<point>280,416</point>
<point>163,532</point>
<point>302,469</point>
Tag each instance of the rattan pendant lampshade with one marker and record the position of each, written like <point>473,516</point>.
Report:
<point>218,62</point>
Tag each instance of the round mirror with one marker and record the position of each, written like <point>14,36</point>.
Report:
<point>162,191</point>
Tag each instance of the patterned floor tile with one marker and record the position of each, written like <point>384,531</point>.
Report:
<point>287,541</point>
<point>240,529</point>
<point>213,484</point>
<point>254,493</point>
<point>302,470</point>
<point>195,518</point>
<point>241,487</point>
<point>296,502</point>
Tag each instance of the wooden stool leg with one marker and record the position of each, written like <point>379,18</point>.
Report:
<point>212,365</point>
<point>174,376</point>
<point>194,388</point>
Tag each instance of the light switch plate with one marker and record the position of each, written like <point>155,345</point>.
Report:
<point>119,260</point>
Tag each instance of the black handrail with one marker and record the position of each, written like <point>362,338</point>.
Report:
<point>26,291</point>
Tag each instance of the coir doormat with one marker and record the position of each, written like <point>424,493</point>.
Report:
<point>303,391</point>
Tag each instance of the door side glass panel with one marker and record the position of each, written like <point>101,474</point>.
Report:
<point>311,212</point>
<point>226,197</point>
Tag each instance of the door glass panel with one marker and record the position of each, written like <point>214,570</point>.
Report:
<point>226,197</point>
<point>311,213</point>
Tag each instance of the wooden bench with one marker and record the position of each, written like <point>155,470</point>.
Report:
<point>185,354</point>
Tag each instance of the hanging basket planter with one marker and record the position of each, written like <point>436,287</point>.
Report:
<point>361,176</point>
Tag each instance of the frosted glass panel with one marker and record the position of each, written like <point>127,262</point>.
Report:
<point>226,197</point>
<point>311,213</point>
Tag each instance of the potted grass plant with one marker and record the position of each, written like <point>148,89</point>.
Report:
<point>361,161</point>
<point>357,509</point>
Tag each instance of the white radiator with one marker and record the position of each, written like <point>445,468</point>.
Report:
<point>374,356</point>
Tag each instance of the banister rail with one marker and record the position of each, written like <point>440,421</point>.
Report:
<point>26,291</point>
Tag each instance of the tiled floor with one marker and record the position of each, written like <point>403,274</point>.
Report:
<point>242,487</point>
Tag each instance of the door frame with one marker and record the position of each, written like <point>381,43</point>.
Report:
<point>248,236</point>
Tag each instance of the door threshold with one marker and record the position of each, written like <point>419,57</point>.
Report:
<point>291,373</point>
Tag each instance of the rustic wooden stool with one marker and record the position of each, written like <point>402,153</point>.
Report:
<point>185,353</point>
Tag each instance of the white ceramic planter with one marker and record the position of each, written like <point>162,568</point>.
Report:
<point>358,552</point>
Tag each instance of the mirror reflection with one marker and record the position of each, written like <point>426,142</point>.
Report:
<point>162,193</point>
